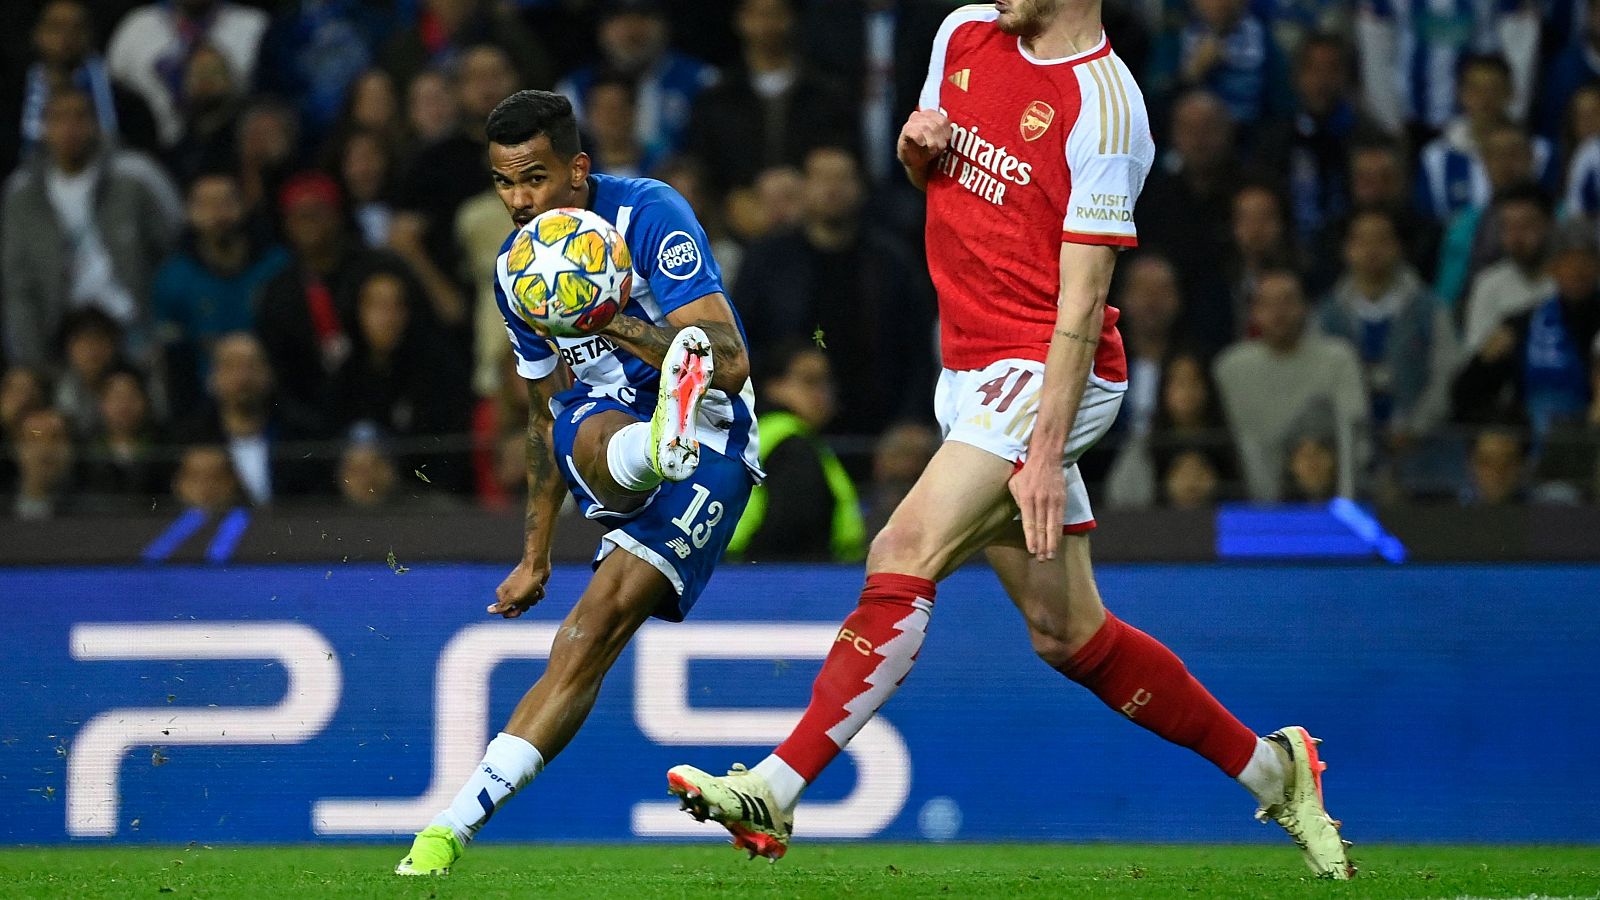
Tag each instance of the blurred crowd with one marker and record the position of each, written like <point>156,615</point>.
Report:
<point>247,246</point>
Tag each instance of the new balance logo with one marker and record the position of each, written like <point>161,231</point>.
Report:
<point>755,810</point>
<point>961,79</point>
<point>680,547</point>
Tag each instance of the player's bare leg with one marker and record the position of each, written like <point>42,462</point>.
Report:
<point>948,515</point>
<point>623,593</point>
<point>1136,675</point>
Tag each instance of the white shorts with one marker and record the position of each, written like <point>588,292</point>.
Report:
<point>993,409</point>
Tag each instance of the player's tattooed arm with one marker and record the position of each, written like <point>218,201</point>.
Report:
<point>545,483</point>
<point>710,314</point>
<point>1070,335</point>
<point>524,586</point>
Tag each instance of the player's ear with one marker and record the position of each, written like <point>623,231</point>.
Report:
<point>581,164</point>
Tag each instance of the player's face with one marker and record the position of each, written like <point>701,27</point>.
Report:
<point>532,178</point>
<point>1026,18</point>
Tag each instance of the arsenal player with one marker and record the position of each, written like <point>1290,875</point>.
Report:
<point>1027,119</point>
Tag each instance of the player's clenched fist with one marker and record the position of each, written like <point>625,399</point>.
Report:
<point>926,135</point>
<point>522,589</point>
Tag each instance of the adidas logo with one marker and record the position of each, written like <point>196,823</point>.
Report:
<point>755,809</point>
<point>961,79</point>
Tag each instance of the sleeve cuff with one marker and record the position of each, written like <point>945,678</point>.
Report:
<point>533,371</point>
<point>1090,237</point>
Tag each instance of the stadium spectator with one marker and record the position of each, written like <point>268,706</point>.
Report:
<point>1191,480</point>
<point>45,459</point>
<point>1518,282</point>
<point>84,224</point>
<point>1452,176</point>
<point>634,43</point>
<point>1472,241</point>
<point>1188,422</point>
<point>366,173</point>
<point>206,480</point>
<point>22,390</point>
<point>401,378</point>
<point>898,458</point>
<point>210,109</point>
<point>209,285</point>
<point>808,507</point>
<point>1311,468</point>
<point>771,109</point>
<point>367,475</point>
<point>1411,50</point>
<point>65,53</point>
<point>372,105</point>
<point>444,175</point>
<point>1406,342</point>
<point>1574,66</point>
<point>123,456</point>
<point>1225,48</point>
<point>446,30</point>
<point>1262,241</point>
<point>1497,470</point>
<point>1379,180</point>
<point>1270,385</point>
<point>854,287</point>
<point>432,108</point>
<point>90,346</point>
<point>314,50</point>
<point>880,49</point>
<point>305,313</point>
<point>1538,366</point>
<point>1150,301</point>
<point>1311,146</point>
<point>1581,122</point>
<point>481,227</point>
<point>266,143</point>
<point>612,112</point>
<point>242,417</point>
<point>1194,182</point>
<point>151,46</point>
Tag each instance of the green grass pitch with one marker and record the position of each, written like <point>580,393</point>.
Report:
<point>651,872</point>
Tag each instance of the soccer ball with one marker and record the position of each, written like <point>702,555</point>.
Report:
<point>570,272</point>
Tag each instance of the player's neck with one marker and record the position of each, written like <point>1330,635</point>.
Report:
<point>1076,29</point>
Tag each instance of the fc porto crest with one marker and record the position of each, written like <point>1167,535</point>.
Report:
<point>1036,119</point>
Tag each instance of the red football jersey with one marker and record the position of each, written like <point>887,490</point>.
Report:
<point>1035,142</point>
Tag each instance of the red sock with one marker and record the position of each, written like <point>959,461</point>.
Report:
<point>870,657</point>
<point>1135,674</point>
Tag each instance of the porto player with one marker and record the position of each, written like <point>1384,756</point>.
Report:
<point>649,423</point>
<point>1027,121</point>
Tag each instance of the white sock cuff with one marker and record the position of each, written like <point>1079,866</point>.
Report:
<point>1264,776</point>
<point>514,758</point>
<point>786,783</point>
<point>628,458</point>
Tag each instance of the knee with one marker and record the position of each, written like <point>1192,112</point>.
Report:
<point>1057,639</point>
<point>902,547</point>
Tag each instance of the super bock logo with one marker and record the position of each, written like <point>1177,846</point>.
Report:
<point>679,256</point>
<point>1036,119</point>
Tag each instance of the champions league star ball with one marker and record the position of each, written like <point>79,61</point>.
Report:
<point>569,272</point>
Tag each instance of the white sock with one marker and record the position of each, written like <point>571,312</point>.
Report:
<point>787,785</point>
<point>628,458</point>
<point>1264,776</point>
<point>508,765</point>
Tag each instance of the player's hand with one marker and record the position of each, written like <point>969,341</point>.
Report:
<point>521,590</point>
<point>1040,490</point>
<point>925,135</point>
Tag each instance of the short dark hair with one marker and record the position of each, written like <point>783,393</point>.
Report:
<point>526,115</point>
<point>1483,61</point>
<point>1528,193</point>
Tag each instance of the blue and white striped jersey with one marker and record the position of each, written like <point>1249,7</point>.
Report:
<point>1432,36</point>
<point>671,269</point>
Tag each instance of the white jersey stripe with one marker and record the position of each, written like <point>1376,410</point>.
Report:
<point>976,12</point>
